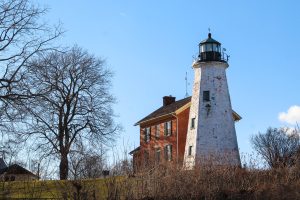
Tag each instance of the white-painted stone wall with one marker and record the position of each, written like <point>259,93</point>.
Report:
<point>213,139</point>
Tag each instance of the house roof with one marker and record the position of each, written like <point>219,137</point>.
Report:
<point>134,150</point>
<point>2,164</point>
<point>172,108</point>
<point>164,110</point>
<point>16,169</point>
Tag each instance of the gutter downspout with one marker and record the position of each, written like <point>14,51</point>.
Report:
<point>176,137</point>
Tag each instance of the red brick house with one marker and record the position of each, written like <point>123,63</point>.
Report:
<point>163,133</point>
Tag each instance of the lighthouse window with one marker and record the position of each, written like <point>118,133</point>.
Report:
<point>215,47</point>
<point>190,150</point>
<point>193,123</point>
<point>202,48</point>
<point>209,47</point>
<point>206,96</point>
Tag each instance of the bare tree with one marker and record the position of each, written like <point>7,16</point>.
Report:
<point>122,167</point>
<point>74,107</point>
<point>277,147</point>
<point>22,36</point>
<point>87,163</point>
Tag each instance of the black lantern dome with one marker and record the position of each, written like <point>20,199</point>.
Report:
<point>210,50</point>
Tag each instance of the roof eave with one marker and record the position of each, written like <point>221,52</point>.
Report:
<point>155,118</point>
<point>237,116</point>
<point>134,150</point>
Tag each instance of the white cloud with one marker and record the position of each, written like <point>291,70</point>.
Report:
<point>290,130</point>
<point>292,116</point>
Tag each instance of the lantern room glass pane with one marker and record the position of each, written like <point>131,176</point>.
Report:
<point>215,47</point>
<point>209,47</point>
<point>202,48</point>
<point>218,48</point>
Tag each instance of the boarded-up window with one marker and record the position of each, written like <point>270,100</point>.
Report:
<point>206,96</point>
<point>168,128</point>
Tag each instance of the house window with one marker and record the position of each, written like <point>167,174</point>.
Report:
<point>157,155</point>
<point>190,150</point>
<point>206,96</point>
<point>168,128</point>
<point>193,123</point>
<point>147,132</point>
<point>168,152</point>
<point>157,131</point>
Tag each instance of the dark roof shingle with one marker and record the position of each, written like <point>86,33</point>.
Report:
<point>16,169</point>
<point>164,110</point>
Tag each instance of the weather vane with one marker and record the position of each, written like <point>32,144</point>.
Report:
<point>208,29</point>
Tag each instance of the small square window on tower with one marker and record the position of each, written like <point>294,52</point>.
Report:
<point>206,96</point>
<point>193,123</point>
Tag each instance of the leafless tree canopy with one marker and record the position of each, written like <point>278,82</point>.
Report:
<point>22,36</point>
<point>56,101</point>
<point>277,147</point>
<point>85,165</point>
<point>74,105</point>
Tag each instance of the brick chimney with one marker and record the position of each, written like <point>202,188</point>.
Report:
<point>167,100</point>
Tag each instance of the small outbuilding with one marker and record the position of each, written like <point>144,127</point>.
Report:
<point>15,173</point>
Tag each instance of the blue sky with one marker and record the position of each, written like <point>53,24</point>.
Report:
<point>150,46</point>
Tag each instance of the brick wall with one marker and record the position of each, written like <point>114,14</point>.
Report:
<point>163,140</point>
<point>183,118</point>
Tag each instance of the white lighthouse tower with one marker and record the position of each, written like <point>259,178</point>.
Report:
<point>211,136</point>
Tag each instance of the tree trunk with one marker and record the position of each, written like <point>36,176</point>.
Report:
<point>63,167</point>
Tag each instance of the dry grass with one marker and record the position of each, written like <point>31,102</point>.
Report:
<point>91,189</point>
<point>169,182</point>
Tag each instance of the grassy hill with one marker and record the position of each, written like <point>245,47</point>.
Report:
<point>90,189</point>
<point>210,183</point>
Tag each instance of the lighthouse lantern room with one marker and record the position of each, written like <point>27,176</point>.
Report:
<point>210,50</point>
